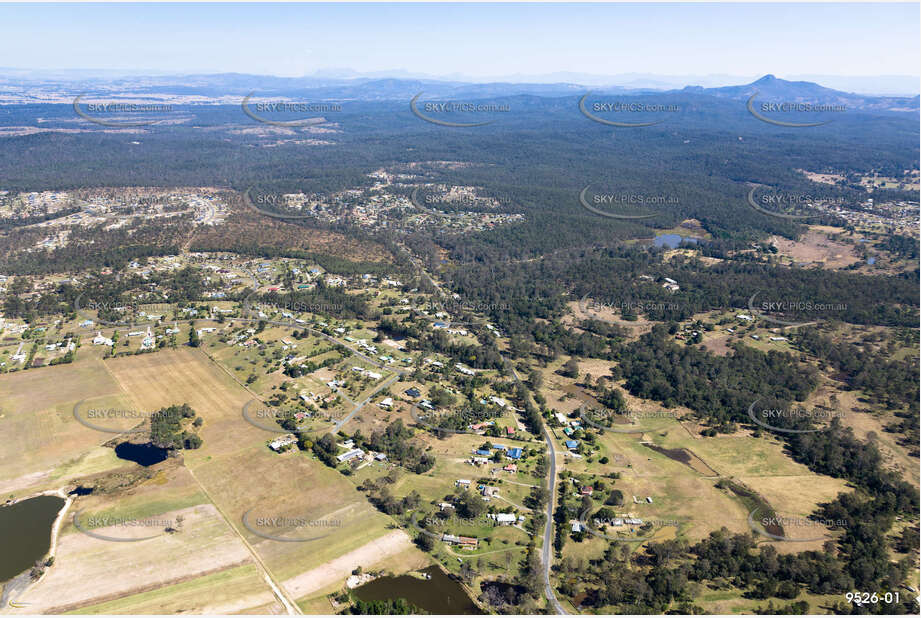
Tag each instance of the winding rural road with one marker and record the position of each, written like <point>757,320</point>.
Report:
<point>547,548</point>
<point>548,530</point>
<point>546,555</point>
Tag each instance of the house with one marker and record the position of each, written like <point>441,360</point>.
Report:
<point>504,519</point>
<point>413,392</point>
<point>349,455</point>
<point>571,444</point>
<point>514,453</point>
<point>465,483</point>
<point>587,490</point>
<point>100,340</point>
<point>148,341</point>
<point>464,370</point>
<point>86,324</point>
<point>511,467</point>
<point>464,541</point>
<point>19,356</point>
<point>576,526</point>
<point>482,452</point>
<point>747,318</point>
<point>510,431</point>
<point>479,461</point>
<point>561,418</point>
<point>282,443</point>
<point>649,499</point>
<point>489,491</point>
<point>386,403</point>
<point>373,375</point>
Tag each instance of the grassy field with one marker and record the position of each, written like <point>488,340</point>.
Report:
<point>43,443</point>
<point>239,473</point>
<point>109,570</point>
<point>232,590</point>
<point>231,474</point>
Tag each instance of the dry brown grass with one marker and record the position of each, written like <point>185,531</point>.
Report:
<point>816,246</point>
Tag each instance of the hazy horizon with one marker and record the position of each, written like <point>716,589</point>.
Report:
<point>881,84</point>
<point>579,43</point>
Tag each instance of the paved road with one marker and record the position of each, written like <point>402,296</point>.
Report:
<point>546,555</point>
<point>548,531</point>
<point>358,406</point>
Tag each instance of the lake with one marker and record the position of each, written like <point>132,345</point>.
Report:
<point>25,533</point>
<point>672,240</point>
<point>144,454</point>
<point>438,595</point>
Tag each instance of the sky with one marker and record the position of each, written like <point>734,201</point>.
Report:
<point>470,40</point>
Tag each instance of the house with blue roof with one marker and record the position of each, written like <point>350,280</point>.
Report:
<point>571,444</point>
<point>514,453</point>
<point>483,452</point>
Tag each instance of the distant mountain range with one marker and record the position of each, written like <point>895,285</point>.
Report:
<point>876,85</point>
<point>24,87</point>
<point>770,88</point>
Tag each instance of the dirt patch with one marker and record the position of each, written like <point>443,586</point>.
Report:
<point>816,246</point>
<point>582,396</point>
<point>337,570</point>
<point>718,344</point>
<point>683,455</point>
<point>111,570</point>
<point>608,314</point>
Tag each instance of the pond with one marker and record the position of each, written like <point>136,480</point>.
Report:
<point>438,595</point>
<point>672,240</point>
<point>144,454</point>
<point>25,533</point>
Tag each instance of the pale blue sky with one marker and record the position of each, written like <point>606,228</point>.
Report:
<point>479,40</point>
